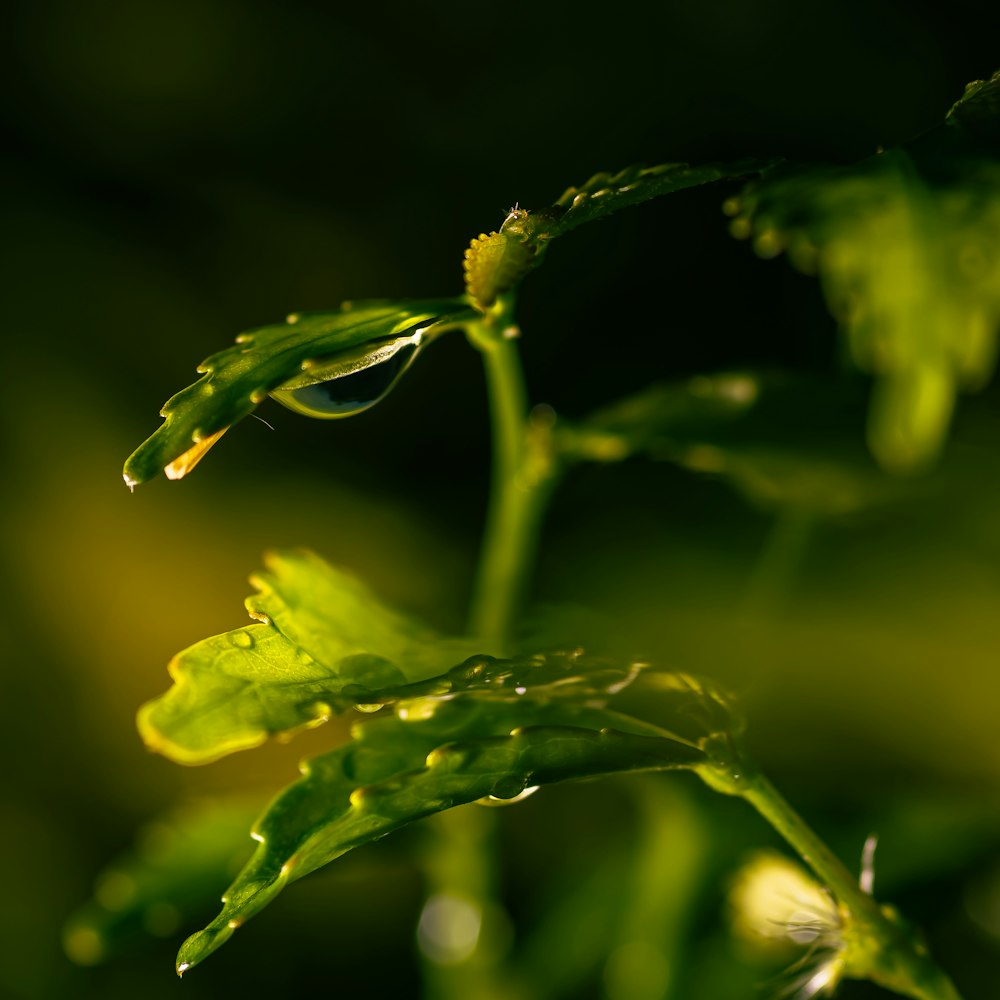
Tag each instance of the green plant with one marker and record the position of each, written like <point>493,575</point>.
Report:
<point>905,245</point>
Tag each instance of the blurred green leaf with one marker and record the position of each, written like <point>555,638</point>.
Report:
<point>659,418</point>
<point>907,246</point>
<point>828,483</point>
<point>161,883</point>
<point>784,442</point>
<point>321,364</point>
<point>400,769</point>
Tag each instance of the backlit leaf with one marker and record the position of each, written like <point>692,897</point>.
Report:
<point>400,769</point>
<point>321,364</point>
<point>326,644</point>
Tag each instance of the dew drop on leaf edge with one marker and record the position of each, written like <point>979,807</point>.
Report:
<point>346,395</point>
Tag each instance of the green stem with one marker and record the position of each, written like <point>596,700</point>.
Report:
<point>879,946</point>
<point>521,481</point>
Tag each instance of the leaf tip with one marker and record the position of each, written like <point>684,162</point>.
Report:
<point>200,945</point>
<point>183,464</point>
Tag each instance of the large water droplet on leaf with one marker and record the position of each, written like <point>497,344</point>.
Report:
<point>347,385</point>
<point>495,800</point>
<point>509,787</point>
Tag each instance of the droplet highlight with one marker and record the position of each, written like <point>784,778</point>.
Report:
<point>350,383</point>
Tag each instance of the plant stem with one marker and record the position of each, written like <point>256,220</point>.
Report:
<point>887,952</point>
<point>522,478</point>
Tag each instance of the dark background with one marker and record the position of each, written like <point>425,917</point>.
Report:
<point>181,170</point>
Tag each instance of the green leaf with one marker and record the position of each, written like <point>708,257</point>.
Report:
<point>660,418</point>
<point>496,262</point>
<point>401,769</point>
<point>783,441</point>
<point>324,365</point>
<point>160,884</point>
<point>605,193</point>
<point>324,643</point>
<point>978,109</point>
<point>907,247</point>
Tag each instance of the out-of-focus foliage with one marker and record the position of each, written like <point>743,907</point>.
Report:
<point>906,246</point>
<point>771,436</point>
<point>160,885</point>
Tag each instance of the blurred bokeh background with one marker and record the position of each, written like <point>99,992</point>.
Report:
<point>180,170</point>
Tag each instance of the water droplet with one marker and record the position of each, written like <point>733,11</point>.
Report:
<point>494,801</point>
<point>520,689</point>
<point>321,713</point>
<point>345,385</point>
<point>242,640</point>
<point>370,709</point>
<point>449,757</point>
<point>416,709</point>
<point>510,786</point>
<point>472,669</point>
